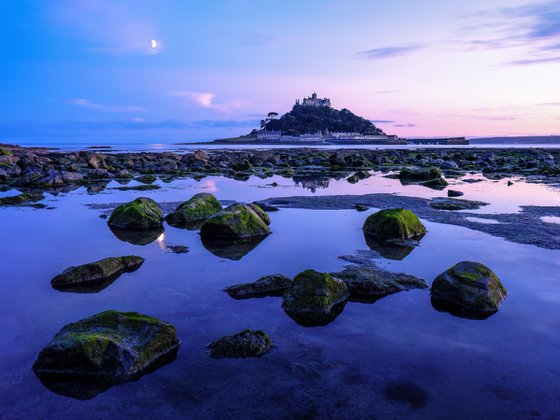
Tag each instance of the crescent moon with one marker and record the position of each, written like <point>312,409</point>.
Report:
<point>154,43</point>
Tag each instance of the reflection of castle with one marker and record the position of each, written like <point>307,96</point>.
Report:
<point>311,182</point>
<point>313,100</point>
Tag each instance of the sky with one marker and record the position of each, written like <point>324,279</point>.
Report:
<point>89,71</point>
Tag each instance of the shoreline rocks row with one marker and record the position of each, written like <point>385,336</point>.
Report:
<point>46,169</point>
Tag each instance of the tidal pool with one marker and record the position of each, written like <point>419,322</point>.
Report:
<point>397,357</point>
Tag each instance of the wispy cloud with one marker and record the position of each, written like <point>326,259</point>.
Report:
<point>382,121</point>
<point>206,100</point>
<point>108,26</point>
<point>404,125</point>
<point>86,103</point>
<point>530,31</point>
<point>389,52</point>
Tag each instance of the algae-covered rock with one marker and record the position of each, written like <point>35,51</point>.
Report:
<point>247,343</point>
<point>147,179</point>
<point>468,289</point>
<point>272,285</point>
<point>110,348</point>
<point>372,283</point>
<point>420,174</point>
<point>93,277</point>
<point>391,224</point>
<point>315,298</point>
<point>21,199</point>
<point>260,211</point>
<point>442,203</point>
<point>140,214</point>
<point>198,208</point>
<point>237,221</point>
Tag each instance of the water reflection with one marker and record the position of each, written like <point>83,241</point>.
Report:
<point>231,249</point>
<point>137,237</point>
<point>393,250</point>
<point>87,287</point>
<point>311,182</point>
<point>316,318</point>
<point>460,312</point>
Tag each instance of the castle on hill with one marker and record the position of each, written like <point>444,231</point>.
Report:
<point>313,100</point>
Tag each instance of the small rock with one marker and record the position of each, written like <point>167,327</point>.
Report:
<point>454,193</point>
<point>247,343</point>
<point>455,204</point>
<point>272,285</point>
<point>361,207</point>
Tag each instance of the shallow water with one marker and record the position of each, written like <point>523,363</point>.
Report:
<point>507,363</point>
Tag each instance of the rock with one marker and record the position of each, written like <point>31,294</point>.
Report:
<point>393,224</point>
<point>237,221</point>
<point>352,179</point>
<point>106,349</point>
<point>266,207</point>
<point>435,184</point>
<point>372,283</point>
<point>144,187</point>
<point>198,208</point>
<point>361,207</point>
<point>420,174</point>
<point>21,199</point>
<point>273,285</point>
<point>315,298</point>
<point>406,392</point>
<point>247,343</point>
<point>454,193</point>
<point>140,214</point>
<point>147,179</point>
<point>178,249</point>
<point>455,204</point>
<point>468,289</point>
<point>262,214</point>
<point>93,277</point>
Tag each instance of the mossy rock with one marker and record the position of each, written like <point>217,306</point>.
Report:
<point>391,224</point>
<point>93,277</point>
<point>247,343</point>
<point>262,214</point>
<point>106,349</point>
<point>197,209</point>
<point>5,152</point>
<point>315,298</point>
<point>147,179</point>
<point>469,290</point>
<point>272,285</point>
<point>237,221</point>
<point>420,174</point>
<point>442,203</point>
<point>21,199</point>
<point>140,214</point>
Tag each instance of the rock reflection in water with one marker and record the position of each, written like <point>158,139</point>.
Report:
<point>458,311</point>
<point>393,250</point>
<point>311,182</point>
<point>137,237</point>
<point>231,249</point>
<point>316,318</point>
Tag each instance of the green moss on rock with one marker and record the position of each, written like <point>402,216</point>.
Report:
<point>140,214</point>
<point>198,208</point>
<point>237,221</point>
<point>113,346</point>
<point>391,224</point>
<point>262,214</point>
<point>420,174</point>
<point>5,152</point>
<point>468,289</point>
<point>21,199</point>
<point>247,343</point>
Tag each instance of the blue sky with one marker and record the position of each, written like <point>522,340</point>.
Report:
<point>85,70</point>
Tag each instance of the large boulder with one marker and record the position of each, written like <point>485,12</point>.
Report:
<point>260,211</point>
<point>197,209</point>
<point>140,214</point>
<point>372,283</point>
<point>391,224</point>
<point>272,285</point>
<point>468,289</point>
<point>106,349</point>
<point>247,343</point>
<point>315,298</point>
<point>237,221</point>
<point>93,277</point>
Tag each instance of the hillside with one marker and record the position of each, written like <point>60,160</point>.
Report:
<point>308,119</point>
<point>517,140</point>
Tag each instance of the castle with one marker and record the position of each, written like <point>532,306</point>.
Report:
<point>313,100</point>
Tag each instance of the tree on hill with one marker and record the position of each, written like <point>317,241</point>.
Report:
<point>308,119</point>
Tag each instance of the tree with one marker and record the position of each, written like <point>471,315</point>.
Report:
<point>272,115</point>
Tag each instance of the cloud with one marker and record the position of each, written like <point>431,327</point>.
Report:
<point>404,125</point>
<point>206,100</point>
<point>382,121</point>
<point>107,26</point>
<point>389,52</point>
<point>529,31</point>
<point>86,103</point>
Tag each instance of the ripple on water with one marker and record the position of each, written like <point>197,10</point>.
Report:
<point>481,220</point>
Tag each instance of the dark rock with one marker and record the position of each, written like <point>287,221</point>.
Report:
<point>178,249</point>
<point>21,199</point>
<point>407,392</point>
<point>266,207</point>
<point>93,277</point>
<point>137,237</point>
<point>454,193</point>
<point>372,283</point>
<point>469,290</point>
<point>455,204</point>
<point>237,221</point>
<point>361,207</point>
<point>420,174</point>
<point>247,343</point>
<point>110,348</point>
<point>231,249</point>
<point>272,285</point>
<point>315,298</point>
<point>147,179</point>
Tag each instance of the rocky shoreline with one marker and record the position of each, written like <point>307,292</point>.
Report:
<point>43,169</point>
